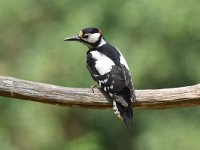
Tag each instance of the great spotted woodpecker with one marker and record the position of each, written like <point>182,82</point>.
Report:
<point>109,69</point>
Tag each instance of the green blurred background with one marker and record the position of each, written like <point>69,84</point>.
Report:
<point>159,39</point>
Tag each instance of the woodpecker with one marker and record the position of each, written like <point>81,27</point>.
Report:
<point>109,69</point>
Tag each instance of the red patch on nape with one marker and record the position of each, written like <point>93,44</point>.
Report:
<point>100,31</point>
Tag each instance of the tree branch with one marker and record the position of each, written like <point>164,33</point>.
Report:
<point>84,97</point>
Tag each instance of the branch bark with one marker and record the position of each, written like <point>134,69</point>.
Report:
<point>84,97</point>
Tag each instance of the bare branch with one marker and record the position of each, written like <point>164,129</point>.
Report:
<point>84,97</point>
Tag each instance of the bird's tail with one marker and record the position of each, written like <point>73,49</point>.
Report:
<point>123,112</point>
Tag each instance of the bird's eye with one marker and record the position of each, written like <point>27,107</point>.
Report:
<point>85,36</point>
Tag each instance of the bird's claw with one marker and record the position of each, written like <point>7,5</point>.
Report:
<point>93,87</point>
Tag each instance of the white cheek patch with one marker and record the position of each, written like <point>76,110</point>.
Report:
<point>93,37</point>
<point>103,63</point>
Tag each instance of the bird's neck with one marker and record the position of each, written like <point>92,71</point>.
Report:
<point>98,44</point>
<point>102,42</point>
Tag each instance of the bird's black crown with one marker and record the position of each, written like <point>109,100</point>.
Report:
<point>91,30</point>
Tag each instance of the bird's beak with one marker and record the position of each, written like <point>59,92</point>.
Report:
<point>74,38</point>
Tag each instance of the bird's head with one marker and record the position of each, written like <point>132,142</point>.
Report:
<point>92,37</point>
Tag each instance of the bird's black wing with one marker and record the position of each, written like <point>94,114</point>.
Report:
<point>122,78</point>
<point>123,92</point>
<point>129,82</point>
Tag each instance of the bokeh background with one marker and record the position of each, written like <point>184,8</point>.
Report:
<point>159,39</point>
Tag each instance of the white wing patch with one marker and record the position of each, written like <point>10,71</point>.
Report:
<point>105,80</point>
<point>103,63</point>
<point>122,60</point>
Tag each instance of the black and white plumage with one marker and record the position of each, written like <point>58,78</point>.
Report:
<point>109,69</point>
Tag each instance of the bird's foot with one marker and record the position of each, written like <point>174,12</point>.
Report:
<point>94,86</point>
<point>133,100</point>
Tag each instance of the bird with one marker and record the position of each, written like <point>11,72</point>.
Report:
<point>108,67</point>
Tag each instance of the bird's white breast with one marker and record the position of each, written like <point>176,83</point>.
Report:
<point>103,63</point>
